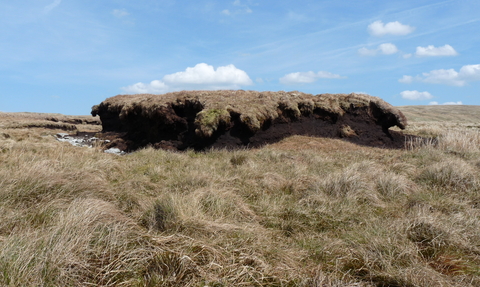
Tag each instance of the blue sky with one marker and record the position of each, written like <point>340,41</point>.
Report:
<point>64,56</point>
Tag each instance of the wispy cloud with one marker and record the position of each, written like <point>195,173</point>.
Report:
<point>51,6</point>
<point>154,87</point>
<point>467,73</point>
<point>119,13</point>
<point>385,49</point>
<point>446,103</point>
<point>297,17</point>
<point>200,77</point>
<point>432,51</point>
<point>307,77</point>
<point>239,8</point>
<point>379,29</point>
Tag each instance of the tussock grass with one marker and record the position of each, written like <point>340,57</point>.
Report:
<point>453,174</point>
<point>301,212</point>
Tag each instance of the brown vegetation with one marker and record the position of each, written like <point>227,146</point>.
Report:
<point>49,121</point>
<point>225,119</point>
<point>305,211</point>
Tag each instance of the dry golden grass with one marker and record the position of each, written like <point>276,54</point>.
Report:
<point>431,121</point>
<point>301,212</point>
<point>442,113</point>
<point>49,121</point>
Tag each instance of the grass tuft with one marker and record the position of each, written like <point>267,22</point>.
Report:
<point>452,174</point>
<point>162,216</point>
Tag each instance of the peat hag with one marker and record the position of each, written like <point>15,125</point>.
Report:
<point>236,119</point>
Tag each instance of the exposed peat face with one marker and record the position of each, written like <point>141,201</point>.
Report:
<point>237,119</point>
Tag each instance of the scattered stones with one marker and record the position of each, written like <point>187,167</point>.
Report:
<point>115,150</point>
<point>84,140</point>
<point>87,140</point>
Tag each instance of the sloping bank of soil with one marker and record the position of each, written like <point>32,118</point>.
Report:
<point>232,119</point>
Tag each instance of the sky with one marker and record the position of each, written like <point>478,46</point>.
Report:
<point>64,56</point>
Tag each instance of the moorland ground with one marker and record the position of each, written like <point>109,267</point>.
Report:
<point>301,212</point>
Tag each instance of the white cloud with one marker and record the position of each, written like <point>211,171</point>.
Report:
<point>407,56</point>
<point>200,77</point>
<point>120,13</point>
<point>406,79</point>
<point>299,77</point>
<point>431,51</point>
<point>379,29</point>
<point>51,6</point>
<point>416,95</point>
<point>385,49</point>
<point>307,77</point>
<point>226,12</point>
<point>388,49</point>
<point>468,73</point>
<point>203,74</point>
<point>155,87</point>
<point>447,103</point>
<point>442,76</point>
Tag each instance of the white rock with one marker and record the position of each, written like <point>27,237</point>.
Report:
<point>114,150</point>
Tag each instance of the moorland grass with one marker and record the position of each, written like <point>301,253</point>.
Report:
<point>302,212</point>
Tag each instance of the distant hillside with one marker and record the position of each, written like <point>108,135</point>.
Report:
<point>49,121</point>
<point>444,113</point>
